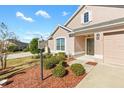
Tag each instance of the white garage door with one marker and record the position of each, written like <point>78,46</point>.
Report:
<point>114,48</point>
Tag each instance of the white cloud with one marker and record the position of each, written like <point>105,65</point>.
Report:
<point>43,14</point>
<point>29,35</point>
<point>38,34</point>
<point>22,16</point>
<point>64,13</point>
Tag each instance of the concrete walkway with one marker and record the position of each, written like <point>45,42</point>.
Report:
<point>19,55</point>
<point>83,60</point>
<point>104,76</point>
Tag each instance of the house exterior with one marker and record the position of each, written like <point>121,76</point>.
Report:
<point>92,30</point>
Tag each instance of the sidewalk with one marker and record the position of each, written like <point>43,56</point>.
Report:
<point>19,55</point>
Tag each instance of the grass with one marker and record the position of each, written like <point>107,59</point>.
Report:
<point>18,65</point>
<point>19,61</point>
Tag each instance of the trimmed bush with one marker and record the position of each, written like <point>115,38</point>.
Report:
<point>77,69</point>
<point>60,56</point>
<point>64,64</point>
<point>47,55</point>
<point>61,63</point>
<point>48,64</point>
<point>59,71</point>
<point>54,60</point>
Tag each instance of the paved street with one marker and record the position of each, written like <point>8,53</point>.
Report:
<point>19,55</point>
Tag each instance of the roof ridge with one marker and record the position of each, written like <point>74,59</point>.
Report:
<point>65,27</point>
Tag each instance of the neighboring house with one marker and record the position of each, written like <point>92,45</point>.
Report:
<point>92,30</point>
<point>21,45</point>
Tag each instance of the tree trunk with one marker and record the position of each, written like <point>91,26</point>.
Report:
<point>5,61</point>
<point>1,60</point>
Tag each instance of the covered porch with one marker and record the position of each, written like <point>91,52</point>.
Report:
<point>84,44</point>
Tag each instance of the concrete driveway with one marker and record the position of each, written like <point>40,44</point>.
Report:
<point>19,55</point>
<point>104,76</point>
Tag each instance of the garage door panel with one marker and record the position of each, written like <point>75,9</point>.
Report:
<point>114,48</point>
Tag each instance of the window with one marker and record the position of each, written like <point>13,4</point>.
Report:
<point>60,44</point>
<point>86,17</point>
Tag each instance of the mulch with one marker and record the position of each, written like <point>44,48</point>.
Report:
<point>31,79</point>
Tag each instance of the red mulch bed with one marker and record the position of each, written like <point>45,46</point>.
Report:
<point>31,79</point>
<point>92,63</point>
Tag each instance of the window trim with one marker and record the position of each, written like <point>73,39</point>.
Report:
<point>82,17</point>
<point>59,41</point>
<point>55,42</point>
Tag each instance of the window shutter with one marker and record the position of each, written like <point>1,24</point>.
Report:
<point>90,15</point>
<point>82,18</point>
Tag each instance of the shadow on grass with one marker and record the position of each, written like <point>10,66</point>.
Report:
<point>28,63</point>
<point>9,71</point>
<point>18,71</point>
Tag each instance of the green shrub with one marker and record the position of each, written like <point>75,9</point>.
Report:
<point>54,60</point>
<point>13,48</point>
<point>77,69</point>
<point>59,71</point>
<point>60,56</point>
<point>26,49</point>
<point>36,56</point>
<point>33,46</point>
<point>47,55</point>
<point>61,63</point>
<point>48,64</point>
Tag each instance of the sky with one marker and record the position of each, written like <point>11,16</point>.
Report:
<point>32,21</point>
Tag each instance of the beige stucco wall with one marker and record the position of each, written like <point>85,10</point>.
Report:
<point>69,41</point>
<point>79,45</point>
<point>98,45</point>
<point>99,14</point>
<point>51,44</point>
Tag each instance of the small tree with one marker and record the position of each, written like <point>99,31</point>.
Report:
<point>26,49</point>
<point>34,46</point>
<point>4,36</point>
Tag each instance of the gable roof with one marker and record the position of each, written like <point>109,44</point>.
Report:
<point>63,27</point>
<point>81,7</point>
<point>76,12</point>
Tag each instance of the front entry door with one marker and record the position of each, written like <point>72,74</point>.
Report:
<point>90,46</point>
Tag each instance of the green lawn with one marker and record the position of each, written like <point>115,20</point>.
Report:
<point>18,61</point>
<point>18,65</point>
